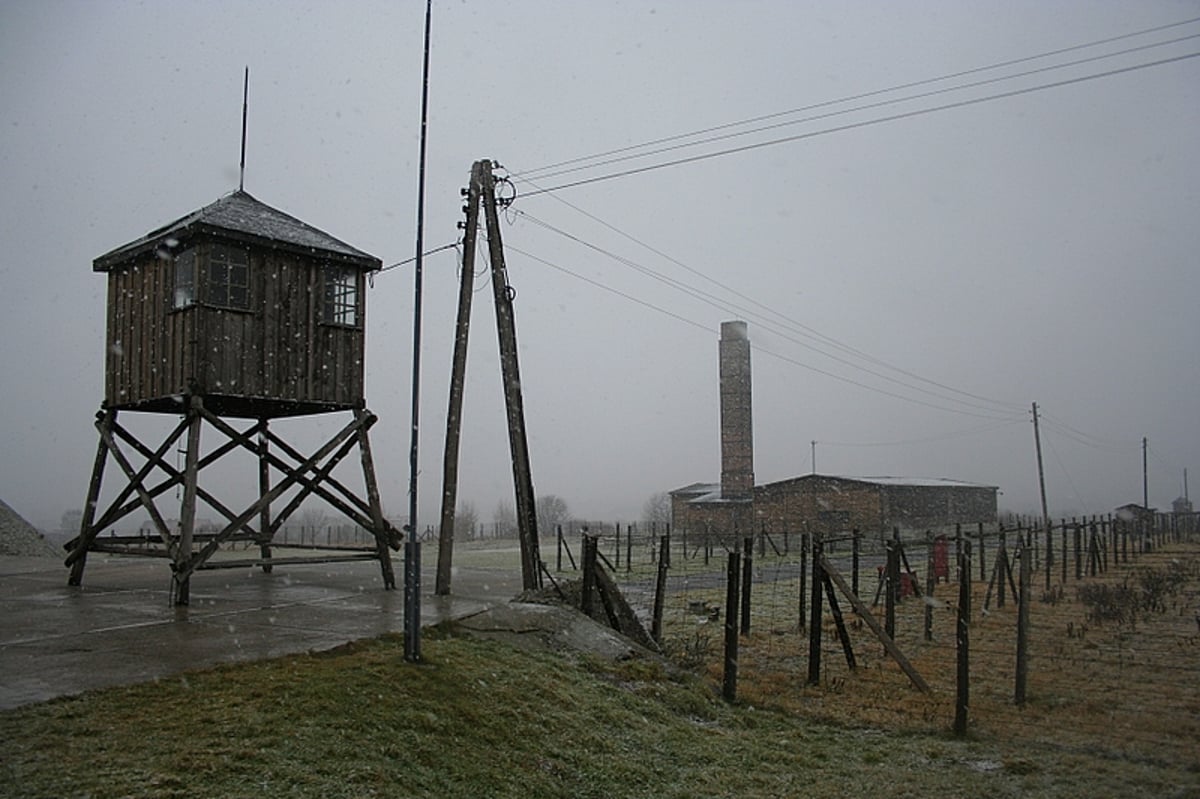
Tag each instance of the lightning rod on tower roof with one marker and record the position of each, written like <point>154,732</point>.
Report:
<point>245,103</point>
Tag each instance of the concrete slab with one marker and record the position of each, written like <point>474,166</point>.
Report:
<point>119,628</point>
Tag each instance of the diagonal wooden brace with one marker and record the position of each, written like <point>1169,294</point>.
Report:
<point>293,477</point>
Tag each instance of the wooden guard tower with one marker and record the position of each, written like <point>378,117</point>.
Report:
<point>230,317</point>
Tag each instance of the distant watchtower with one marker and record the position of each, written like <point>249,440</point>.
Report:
<point>237,311</point>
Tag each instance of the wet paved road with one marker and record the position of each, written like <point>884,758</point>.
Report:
<point>118,628</point>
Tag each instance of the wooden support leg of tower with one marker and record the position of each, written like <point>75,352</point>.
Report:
<point>187,509</point>
<point>293,477</point>
<point>264,488</point>
<point>313,484</point>
<point>177,477</point>
<point>136,479</point>
<point>110,430</point>
<point>86,531</point>
<point>354,507</point>
<point>377,522</point>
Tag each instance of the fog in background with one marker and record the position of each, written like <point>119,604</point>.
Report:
<point>913,279</point>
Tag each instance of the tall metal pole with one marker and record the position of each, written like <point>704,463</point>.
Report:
<point>412,556</point>
<point>245,112</point>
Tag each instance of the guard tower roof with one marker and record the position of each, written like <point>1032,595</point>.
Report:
<point>241,217</point>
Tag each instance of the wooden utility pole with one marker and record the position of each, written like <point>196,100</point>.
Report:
<point>458,371</point>
<point>506,331</point>
<point>1037,438</point>
<point>482,193</point>
<point>1145,475</point>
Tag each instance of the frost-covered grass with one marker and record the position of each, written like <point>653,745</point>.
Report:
<point>480,718</point>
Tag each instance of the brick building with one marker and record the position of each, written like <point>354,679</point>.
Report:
<point>812,503</point>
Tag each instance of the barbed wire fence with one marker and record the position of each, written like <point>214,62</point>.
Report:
<point>1104,651</point>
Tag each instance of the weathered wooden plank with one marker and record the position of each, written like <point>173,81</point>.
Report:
<point>251,563</point>
<point>865,614</point>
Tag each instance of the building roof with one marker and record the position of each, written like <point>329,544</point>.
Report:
<point>919,482</point>
<point>240,216</point>
<point>697,489</point>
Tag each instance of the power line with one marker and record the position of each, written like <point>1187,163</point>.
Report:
<point>414,258</point>
<point>781,319</point>
<point>1050,443</point>
<point>863,124</point>
<point>759,349</point>
<point>726,306</point>
<point>1111,445</point>
<point>865,95</point>
<point>928,439</point>
<point>866,107</point>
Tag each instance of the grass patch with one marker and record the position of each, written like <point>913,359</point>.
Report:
<point>480,718</point>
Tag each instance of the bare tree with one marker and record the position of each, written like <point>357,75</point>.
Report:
<point>311,520</point>
<point>71,521</point>
<point>551,510</point>
<point>465,519</point>
<point>657,508</point>
<point>505,519</point>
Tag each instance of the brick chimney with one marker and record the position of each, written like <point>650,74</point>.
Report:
<point>737,431</point>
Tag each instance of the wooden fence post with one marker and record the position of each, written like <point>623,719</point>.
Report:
<point>1023,625</point>
<point>930,579</point>
<point>1049,552</point>
<point>729,683</point>
<point>747,575</point>
<point>1079,554</point>
<point>890,587</point>
<point>660,588</point>
<point>963,641</point>
<point>856,547</point>
<point>814,619</point>
<point>804,539</point>
<point>982,555</point>
<point>1064,551</point>
<point>589,573</point>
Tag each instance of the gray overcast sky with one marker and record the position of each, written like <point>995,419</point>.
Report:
<point>1039,247</point>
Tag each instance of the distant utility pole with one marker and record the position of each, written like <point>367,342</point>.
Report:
<point>1145,475</point>
<point>814,457</point>
<point>1037,440</point>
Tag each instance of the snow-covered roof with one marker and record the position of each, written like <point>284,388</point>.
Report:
<point>698,488</point>
<point>918,482</point>
<point>241,216</point>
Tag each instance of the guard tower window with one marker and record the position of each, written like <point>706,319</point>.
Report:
<point>341,296</point>
<point>229,278</point>
<point>185,280</point>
